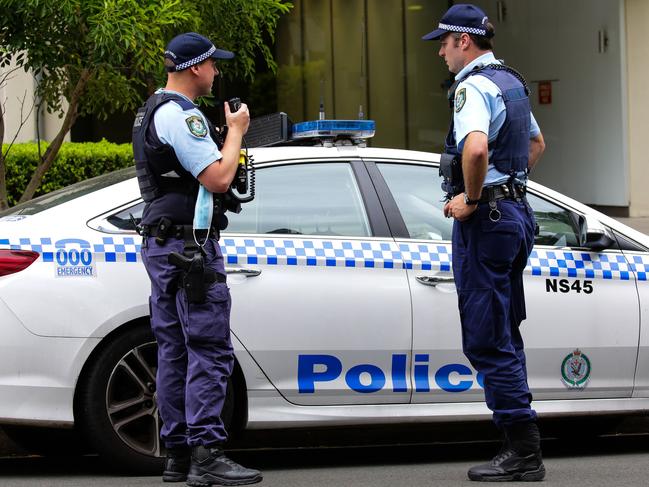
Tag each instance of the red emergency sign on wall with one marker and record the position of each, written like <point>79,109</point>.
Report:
<point>545,92</point>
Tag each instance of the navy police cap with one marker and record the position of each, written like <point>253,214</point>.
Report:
<point>191,48</point>
<point>462,17</point>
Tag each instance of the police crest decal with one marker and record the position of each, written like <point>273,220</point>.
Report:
<point>196,126</point>
<point>575,370</point>
<point>460,99</point>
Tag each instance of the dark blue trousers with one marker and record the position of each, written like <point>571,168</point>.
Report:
<point>195,356</point>
<point>488,262</point>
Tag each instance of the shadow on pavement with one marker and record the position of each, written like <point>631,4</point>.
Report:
<point>271,450</point>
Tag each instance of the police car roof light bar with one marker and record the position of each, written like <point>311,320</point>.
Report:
<point>277,129</point>
<point>354,129</point>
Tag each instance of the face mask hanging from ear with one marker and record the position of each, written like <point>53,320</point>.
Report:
<point>204,209</point>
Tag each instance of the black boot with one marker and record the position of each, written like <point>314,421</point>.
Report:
<point>177,464</point>
<point>519,459</point>
<point>210,466</point>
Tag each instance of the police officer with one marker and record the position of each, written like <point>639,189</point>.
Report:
<point>176,151</point>
<point>497,140</point>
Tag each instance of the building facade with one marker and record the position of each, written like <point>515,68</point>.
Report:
<point>585,61</point>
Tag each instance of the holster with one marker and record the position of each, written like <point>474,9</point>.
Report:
<point>196,278</point>
<point>450,169</point>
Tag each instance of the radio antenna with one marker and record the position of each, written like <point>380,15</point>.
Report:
<point>361,81</point>
<point>321,115</point>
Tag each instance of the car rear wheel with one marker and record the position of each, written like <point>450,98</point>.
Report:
<point>117,406</point>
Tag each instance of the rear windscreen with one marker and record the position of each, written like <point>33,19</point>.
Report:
<point>68,193</point>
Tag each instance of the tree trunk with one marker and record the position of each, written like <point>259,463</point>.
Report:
<point>4,202</point>
<point>53,148</point>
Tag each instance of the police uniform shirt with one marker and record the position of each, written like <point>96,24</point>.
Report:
<point>188,133</point>
<point>479,107</point>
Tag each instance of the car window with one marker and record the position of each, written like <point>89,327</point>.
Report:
<point>418,193</point>
<point>122,219</point>
<point>556,226</point>
<point>304,199</point>
<point>69,193</point>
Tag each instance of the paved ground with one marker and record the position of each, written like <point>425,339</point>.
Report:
<point>603,462</point>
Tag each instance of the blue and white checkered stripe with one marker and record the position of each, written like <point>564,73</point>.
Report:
<point>196,60</point>
<point>459,28</point>
<point>566,263</point>
<point>111,249</point>
<point>640,265</point>
<point>120,249</point>
<point>356,253</point>
<point>329,253</point>
<point>421,256</point>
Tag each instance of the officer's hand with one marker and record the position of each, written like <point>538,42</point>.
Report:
<point>238,120</point>
<point>456,208</point>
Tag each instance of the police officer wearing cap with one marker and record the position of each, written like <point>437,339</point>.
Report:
<point>176,151</point>
<point>492,143</point>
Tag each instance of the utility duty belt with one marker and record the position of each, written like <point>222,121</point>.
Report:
<point>450,169</point>
<point>509,191</point>
<point>166,229</point>
<point>501,192</point>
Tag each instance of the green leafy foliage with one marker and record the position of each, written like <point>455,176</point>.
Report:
<point>244,27</point>
<point>122,43</point>
<point>104,56</point>
<point>74,162</point>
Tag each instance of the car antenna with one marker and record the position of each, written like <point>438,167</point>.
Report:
<point>136,226</point>
<point>361,81</point>
<point>321,114</point>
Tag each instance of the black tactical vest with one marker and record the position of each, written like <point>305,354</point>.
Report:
<point>510,149</point>
<point>166,187</point>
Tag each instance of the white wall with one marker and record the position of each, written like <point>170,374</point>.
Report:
<point>637,22</point>
<point>21,85</point>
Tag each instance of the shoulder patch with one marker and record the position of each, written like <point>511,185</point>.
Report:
<point>460,99</point>
<point>196,126</point>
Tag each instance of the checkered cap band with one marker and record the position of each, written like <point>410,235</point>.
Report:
<point>196,60</point>
<point>458,28</point>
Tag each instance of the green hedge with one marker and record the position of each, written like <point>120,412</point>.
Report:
<point>74,162</point>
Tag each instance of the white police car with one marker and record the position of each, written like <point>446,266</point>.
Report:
<point>344,308</point>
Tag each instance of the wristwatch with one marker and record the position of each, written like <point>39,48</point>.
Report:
<point>469,202</point>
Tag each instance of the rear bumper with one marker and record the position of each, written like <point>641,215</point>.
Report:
<point>38,374</point>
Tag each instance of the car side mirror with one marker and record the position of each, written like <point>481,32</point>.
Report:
<point>593,235</point>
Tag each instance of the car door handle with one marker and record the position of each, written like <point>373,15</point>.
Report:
<point>243,272</point>
<point>435,280</point>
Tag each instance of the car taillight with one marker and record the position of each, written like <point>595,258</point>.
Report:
<point>12,261</point>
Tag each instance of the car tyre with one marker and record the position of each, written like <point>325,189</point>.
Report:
<point>116,403</point>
